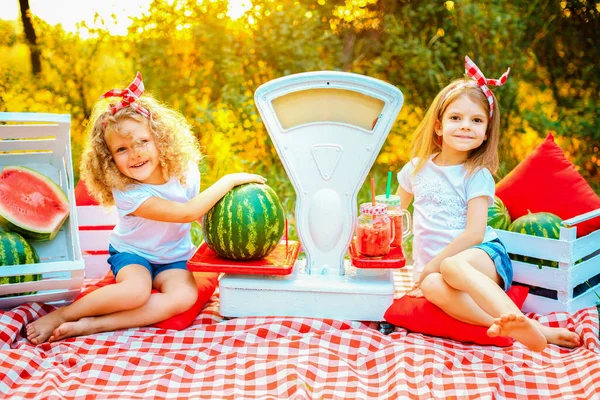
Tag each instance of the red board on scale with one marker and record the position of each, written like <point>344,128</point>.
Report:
<point>394,259</point>
<point>279,262</point>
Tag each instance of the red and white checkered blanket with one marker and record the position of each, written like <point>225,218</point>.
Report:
<point>290,358</point>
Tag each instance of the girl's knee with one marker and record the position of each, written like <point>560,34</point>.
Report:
<point>433,287</point>
<point>452,269</point>
<point>183,299</point>
<point>134,295</point>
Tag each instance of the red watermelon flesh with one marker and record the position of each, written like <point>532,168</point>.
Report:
<point>31,203</point>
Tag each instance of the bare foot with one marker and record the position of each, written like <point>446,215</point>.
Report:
<point>520,328</point>
<point>76,328</point>
<point>40,330</point>
<point>559,336</point>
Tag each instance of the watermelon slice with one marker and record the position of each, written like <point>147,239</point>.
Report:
<point>31,203</point>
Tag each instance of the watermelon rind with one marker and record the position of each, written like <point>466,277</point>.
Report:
<point>542,224</point>
<point>498,216</point>
<point>15,250</point>
<point>246,224</point>
<point>8,220</point>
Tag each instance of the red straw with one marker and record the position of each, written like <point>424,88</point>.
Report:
<point>373,190</point>
<point>286,235</point>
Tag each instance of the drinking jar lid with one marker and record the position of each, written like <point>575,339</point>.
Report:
<point>392,201</point>
<point>369,208</point>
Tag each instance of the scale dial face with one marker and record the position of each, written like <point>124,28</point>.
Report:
<point>327,105</point>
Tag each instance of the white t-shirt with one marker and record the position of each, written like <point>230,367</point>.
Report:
<point>158,242</point>
<point>440,202</point>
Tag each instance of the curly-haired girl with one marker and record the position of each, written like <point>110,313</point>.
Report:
<point>142,157</point>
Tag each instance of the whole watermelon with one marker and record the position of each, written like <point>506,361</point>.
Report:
<point>542,224</point>
<point>498,216</point>
<point>246,224</point>
<point>14,250</point>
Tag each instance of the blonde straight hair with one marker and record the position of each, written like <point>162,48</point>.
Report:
<point>425,142</point>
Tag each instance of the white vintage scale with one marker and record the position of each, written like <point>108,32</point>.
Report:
<point>328,128</point>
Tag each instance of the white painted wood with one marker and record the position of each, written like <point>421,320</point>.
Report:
<point>95,265</point>
<point>27,145</point>
<point>61,261</point>
<point>94,240</point>
<point>44,158</point>
<point>97,216</point>
<point>583,217</point>
<point>546,277</point>
<point>57,298</point>
<point>28,131</point>
<point>567,250</point>
<point>586,245</point>
<point>350,296</point>
<point>538,247</point>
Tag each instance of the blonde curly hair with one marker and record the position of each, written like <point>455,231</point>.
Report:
<point>176,144</point>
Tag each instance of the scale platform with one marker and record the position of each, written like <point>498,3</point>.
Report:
<point>279,262</point>
<point>328,128</point>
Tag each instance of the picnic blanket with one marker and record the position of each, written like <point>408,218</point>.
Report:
<point>291,358</point>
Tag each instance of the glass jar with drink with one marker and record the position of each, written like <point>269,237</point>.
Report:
<point>374,230</point>
<point>396,214</point>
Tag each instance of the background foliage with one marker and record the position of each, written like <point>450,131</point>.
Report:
<point>199,61</point>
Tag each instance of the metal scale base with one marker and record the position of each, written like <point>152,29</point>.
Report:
<point>361,295</point>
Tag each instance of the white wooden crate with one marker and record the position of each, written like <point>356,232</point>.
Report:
<point>42,142</point>
<point>95,226</point>
<point>570,287</point>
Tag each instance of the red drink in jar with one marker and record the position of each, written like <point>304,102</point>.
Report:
<point>373,240</point>
<point>397,228</point>
<point>373,230</point>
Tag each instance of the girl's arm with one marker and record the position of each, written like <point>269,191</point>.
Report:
<point>158,209</point>
<point>477,210</point>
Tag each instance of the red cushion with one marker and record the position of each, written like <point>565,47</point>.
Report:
<point>82,196</point>
<point>420,315</point>
<point>206,281</point>
<point>545,181</point>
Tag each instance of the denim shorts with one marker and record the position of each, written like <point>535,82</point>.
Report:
<point>497,252</point>
<point>119,260</point>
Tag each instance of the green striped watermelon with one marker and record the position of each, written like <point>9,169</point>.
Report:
<point>246,224</point>
<point>31,204</point>
<point>541,224</point>
<point>498,216</point>
<point>15,250</point>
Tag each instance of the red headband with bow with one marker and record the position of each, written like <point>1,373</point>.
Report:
<point>475,73</point>
<point>129,96</point>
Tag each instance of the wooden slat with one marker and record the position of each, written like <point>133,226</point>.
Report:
<point>94,240</point>
<point>538,247</point>
<point>97,216</point>
<point>28,131</point>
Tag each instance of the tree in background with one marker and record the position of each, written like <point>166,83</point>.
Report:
<point>198,60</point>
<point>31,37</point>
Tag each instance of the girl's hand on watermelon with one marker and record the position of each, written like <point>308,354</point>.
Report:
<point>243,177</point>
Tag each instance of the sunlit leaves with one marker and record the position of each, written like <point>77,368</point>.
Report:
<point>198,59</point>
